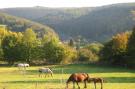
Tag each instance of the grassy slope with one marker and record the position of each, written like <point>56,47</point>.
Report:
<point>116,78</point>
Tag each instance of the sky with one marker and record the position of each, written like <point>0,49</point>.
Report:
<point>59,3</point>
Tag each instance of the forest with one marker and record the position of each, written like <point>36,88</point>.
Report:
<point>28,47</point>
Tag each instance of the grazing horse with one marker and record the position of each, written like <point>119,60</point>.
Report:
<point>97,80</point>
<point>22,65</point>
<point>78,77</point>
<point>46,71</point>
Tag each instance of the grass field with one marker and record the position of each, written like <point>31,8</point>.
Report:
<point>116,78</point>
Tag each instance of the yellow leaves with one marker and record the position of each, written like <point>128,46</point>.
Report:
<point>29,36</point>
<point>51,38</point>
<point>3,32</point>
<point>120,41</point>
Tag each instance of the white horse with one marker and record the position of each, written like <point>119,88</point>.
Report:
<point>22,65</point>
<point>45,71</point>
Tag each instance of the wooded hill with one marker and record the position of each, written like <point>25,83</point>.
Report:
<point>20,24</point>
<point>93,23</point>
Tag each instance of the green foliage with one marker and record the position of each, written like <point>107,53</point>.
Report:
<point>86,55</point>
<point>27,47</point>
<point>30,42</point>
<point>131,43</point>
<point>70,55</point>
<point>116,49</point>
<point>8,45</point>
<point>131,49</point>
<point>94,47</point>
<point>56,52</point>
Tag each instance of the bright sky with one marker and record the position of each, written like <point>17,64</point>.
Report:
<point>58,3</point>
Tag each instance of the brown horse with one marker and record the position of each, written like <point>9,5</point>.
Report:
<point>97,80</point>
<point>78,77</point>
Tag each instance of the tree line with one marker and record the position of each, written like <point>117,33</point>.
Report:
<point>120,50</point>
<point>28,47</point>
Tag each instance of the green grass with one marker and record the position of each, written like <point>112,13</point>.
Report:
<point>116,78</point>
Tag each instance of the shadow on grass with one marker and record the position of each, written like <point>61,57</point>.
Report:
<point>119,80</point>
<point>87,68</point>
<point>107,80</point>
<point>35,81</point>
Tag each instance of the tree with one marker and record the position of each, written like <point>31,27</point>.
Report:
<point>131,49</point>
<point>29,42</point>
<point>120,42</point>
<point>55,51</point>
<point>116,49</point>
<point>3,33</point>
<point>8,45</point>
<point>71,43</point>
<point>86,55</point>
<point>94,47</point>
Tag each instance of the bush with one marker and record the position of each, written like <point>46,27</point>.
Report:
<point>86,55</point>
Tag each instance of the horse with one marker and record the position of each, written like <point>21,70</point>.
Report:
<point>45,70</point>
<point>97,80</point>
<point>76,78</point>
<point>22,65</point>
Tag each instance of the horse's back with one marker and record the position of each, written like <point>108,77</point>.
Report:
<point>20,64</point>
<point>27,65</point>
<point>45,70</point>
<point>79,77</point>
<point>23,65</point>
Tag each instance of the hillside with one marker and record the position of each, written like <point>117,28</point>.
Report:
<point>93,23</point>
<point>100,24</point>
<point>19,24</point>
<point>48,15</point>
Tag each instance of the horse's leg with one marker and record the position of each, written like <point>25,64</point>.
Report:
<point>78,85</point>
<point>52,74</point>
<point>44,75</point>
<point>19,68</point>
<point>66,85</point>
<point>85,85</point>
<point>73,85</point>
<point>95,84</point>
<point>24,67</point>
<point>40,74</point>
<point>101,84</point>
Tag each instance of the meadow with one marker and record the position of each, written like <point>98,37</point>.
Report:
<point>115,77</point>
